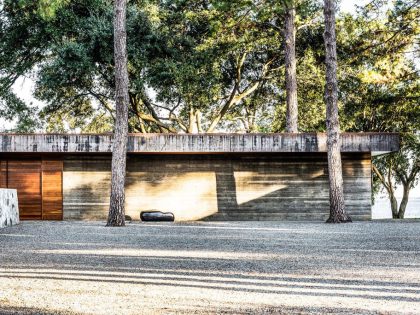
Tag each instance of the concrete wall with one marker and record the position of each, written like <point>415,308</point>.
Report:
<point>197,143</point>
<point>9,210</point>
<point>218,187</point>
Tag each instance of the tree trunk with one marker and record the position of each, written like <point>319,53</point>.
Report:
<point>393,201</point>
<point>404,201</point>
<point>192,127</point>
<point>116,216</point>
<point>337,209</point>
<point>198,118</point>
<point>290,63</point>
<point>394,206</point>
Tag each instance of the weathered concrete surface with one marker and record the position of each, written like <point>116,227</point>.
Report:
<point>197,143</point>
<point>218,186</point>
<point>9,210</point>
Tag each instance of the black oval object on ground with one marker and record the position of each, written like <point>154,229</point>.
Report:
<point>156,216</point>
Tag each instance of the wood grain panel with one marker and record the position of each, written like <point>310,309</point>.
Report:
<point>52,190</point>
<point>3,174</point>
<point>25,176</point>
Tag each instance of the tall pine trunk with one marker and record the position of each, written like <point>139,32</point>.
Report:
<point>337,209</point>
<point>116,216</point>
<point>290,63</point>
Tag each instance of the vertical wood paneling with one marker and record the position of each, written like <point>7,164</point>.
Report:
<point>3,174</point>
<point>39,186</point>
<point>52,190</point>
<point>25,176</point>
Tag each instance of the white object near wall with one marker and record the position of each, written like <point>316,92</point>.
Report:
<point>9,210</point>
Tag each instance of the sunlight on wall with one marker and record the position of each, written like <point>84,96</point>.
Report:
<point>189,196</point>
<point>251,185</point>
<point>74,180</point>
<point>200,189</point>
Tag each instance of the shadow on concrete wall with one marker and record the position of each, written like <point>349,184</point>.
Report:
<point>220,187</point>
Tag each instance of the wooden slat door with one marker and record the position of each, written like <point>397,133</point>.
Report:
<point>52,190</point>
<point>3,174</point>
<point>25,176</point>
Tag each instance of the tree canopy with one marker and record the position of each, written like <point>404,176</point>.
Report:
<point>197,66</point>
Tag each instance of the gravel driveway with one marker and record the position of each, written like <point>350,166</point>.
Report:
<point>212,267</point>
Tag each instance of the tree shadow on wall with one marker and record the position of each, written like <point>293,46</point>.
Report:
<point>297,191</point>
<point>246,187</point>
<point>303,192</point>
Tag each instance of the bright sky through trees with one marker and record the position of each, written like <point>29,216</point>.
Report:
<point>348,6</point>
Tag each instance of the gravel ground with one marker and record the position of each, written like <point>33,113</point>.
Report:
<point>212,267</point>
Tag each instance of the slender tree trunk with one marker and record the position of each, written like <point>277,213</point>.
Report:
<point>394,206</point>
<point>198,118</point>
<point>192,127</point>
<point>290,62</point>
<point>393,201</point>
<point>337,209</point>
<point>404,201</point>
<point>116,216</point>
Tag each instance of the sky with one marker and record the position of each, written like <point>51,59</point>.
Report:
<point>348,6</point>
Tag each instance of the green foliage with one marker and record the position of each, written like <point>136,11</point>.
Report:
<point>184,56</point>
<point>192,58</point>
<point>380,86</point>
<point>405,163</point>
<point>48,8</point>
<point>25,37</point>
<point>12,108</point>
<point>379,80</point>
<point>398,168</point>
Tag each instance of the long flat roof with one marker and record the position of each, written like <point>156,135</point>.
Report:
<point>376,143</point>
